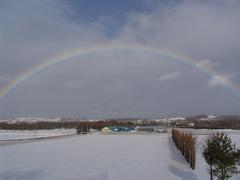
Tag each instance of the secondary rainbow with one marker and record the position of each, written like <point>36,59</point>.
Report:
<point>70,54</point>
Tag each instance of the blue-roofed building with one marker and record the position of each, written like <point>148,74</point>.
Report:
<point>122,129</point>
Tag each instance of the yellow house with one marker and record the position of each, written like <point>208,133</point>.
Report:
<point>106,130</point>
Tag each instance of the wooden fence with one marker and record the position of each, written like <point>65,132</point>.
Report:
<point>186,143</point>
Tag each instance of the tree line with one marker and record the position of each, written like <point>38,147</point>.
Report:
<point>98,125</point>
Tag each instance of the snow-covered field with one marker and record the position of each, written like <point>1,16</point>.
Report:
<point>100,157</point>
<point>26,134</point>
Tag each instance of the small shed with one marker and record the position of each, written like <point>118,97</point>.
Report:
<point>152,128</point>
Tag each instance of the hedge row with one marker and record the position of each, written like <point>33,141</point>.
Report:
<point>186,143</point>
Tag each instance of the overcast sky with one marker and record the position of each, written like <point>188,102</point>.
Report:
<point>120,83</point>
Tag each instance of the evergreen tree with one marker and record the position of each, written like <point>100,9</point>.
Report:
<point>222,156</point>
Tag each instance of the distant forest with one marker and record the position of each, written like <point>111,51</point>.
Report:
<point>196,122</point>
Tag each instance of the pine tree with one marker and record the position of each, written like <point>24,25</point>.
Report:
<point>222,156</point>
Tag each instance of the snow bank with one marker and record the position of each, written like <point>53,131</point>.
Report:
<point>27,134</point>
<point>95,157</point>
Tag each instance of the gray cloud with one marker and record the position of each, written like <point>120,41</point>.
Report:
<point>207,63</point>
<point>36,30</point>
<point>170,76</point>
<point>219,80</point>
<point>203,29</point>
<point>120,83</point>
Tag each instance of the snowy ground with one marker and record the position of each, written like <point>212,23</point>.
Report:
<point>26,134</point>
<point>99,157</point>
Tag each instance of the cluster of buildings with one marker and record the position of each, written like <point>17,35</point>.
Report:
<point>118,129</point>
<point>159,129</point>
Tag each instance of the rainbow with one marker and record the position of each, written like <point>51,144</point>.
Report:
<point>69,54</point>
